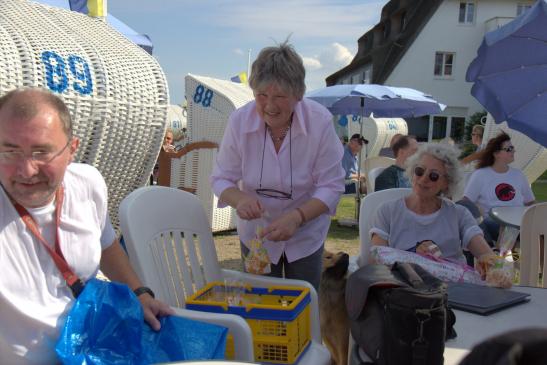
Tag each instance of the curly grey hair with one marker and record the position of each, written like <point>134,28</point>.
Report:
<point>445,153</point>
<point>282,65</point>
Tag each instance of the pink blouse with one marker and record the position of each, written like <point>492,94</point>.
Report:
<point>316,172</point>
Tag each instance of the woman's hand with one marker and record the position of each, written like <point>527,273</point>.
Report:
<point>249,208</point>
<point>283,228</point>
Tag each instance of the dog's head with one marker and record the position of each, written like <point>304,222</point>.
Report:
<point>335,265</point>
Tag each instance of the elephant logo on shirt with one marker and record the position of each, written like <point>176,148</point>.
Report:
<point>505,192</point>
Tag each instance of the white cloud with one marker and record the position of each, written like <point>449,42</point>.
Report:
<point>311,63</point>
<point>238,51</point>
<point>304,19</point>
<point>330,59</point>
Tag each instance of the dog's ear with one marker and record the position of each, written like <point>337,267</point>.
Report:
<point>339,265</point>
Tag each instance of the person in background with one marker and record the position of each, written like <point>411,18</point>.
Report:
<point>388,151</point>
<point>476,138</point>
<point>168,141</point>
<point>350,164</point>
<point>426,216</point>
<point>46,200</point>
<point>494,183</point>
<point>279,166</point>
<point>394,176</point>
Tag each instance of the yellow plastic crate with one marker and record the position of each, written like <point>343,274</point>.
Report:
<point>279,318</point>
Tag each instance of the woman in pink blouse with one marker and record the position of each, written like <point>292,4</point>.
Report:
<point>279,166</point>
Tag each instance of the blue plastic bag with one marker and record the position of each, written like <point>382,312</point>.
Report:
<point>106,326</point>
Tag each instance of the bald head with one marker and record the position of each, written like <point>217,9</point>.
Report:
<point>25,103</point>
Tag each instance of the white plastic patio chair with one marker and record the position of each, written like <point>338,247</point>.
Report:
<point>533,235</point>
<point>369,205</point>
<point>171,247</point>
<point>371,178</point>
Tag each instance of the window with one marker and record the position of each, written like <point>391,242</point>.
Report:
<point>521,8</point>
<point>439,127</point>
<point>403,22</point>
<point>457,129</point>
<point>467,13</point>
<point>356,78</point>
<point>367,75</point>
<point>444,62</point>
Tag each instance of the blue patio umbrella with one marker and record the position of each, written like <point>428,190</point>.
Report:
<point>382,101</point>
<point>378,100</point>
<point>510,73</point>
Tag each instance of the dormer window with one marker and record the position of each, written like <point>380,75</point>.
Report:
<point>467,12</point>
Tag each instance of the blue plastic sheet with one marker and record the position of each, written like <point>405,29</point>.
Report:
<point>106,326</point>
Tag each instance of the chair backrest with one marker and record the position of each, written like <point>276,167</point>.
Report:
<point>210,103</point>
<point>377,161</point>
<point>369,205</point>
<point>371,177</point>
<point>533,253</point>
<point>116,92</point>
<point>169,242</point>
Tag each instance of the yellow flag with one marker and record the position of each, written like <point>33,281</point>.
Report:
<point>96,8</point>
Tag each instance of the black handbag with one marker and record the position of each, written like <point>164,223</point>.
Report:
<point>399,315</point>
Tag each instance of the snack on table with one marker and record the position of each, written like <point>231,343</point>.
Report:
<point>257,260</point>
<point>497,270</point>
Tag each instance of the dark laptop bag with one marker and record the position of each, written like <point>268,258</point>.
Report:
<point>399,315</point>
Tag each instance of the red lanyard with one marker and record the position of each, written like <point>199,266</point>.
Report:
<point>71,278</point>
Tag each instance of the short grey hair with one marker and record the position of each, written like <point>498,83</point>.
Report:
<point>282,65</point>
<point>445,153</point>
<point>23,103</point>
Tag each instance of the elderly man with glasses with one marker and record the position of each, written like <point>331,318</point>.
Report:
<point>279,166</point>
<point>55,233</point>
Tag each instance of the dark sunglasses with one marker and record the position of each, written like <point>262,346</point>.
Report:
<point>272,193</point>
<point>433,175</point>
<point>508,149</point>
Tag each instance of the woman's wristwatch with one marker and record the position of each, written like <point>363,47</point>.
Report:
<point>143,289</point>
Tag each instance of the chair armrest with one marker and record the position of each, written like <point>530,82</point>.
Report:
<point>243,338</point>
<point>264,281</point>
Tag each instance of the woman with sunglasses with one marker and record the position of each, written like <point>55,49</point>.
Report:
<point>494,183</point>
<point>425,215</point>
<point>279,165</point>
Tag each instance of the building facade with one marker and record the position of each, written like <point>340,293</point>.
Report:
<point>428,45</point>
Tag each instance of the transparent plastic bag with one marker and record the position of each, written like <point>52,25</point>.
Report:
<point>106,326</point>
<point>257,260</point>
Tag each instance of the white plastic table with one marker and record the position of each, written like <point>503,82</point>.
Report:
<point>508,216</point>
<point>473,328</point>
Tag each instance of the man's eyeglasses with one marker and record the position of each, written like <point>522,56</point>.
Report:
<point>40,157</point>
<point>272,193</point>
<point>433,175</point>
<point>508,149</point>
<point>476,134</point>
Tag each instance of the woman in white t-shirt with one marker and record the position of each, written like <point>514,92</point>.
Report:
<point>425,215</point>
<point>495,183</point>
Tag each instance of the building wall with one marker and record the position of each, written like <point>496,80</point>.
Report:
<point>443,33</point>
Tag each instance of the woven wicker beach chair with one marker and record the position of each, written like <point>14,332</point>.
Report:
<point>531,157</point>
<point>210,103</point>
<point>116,92</point>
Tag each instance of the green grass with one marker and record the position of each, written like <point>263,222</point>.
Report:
<point>540,190</point>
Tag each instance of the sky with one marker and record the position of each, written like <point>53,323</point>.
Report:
<point>213,38</point>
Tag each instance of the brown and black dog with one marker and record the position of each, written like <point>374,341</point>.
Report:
<point>332,306</point>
